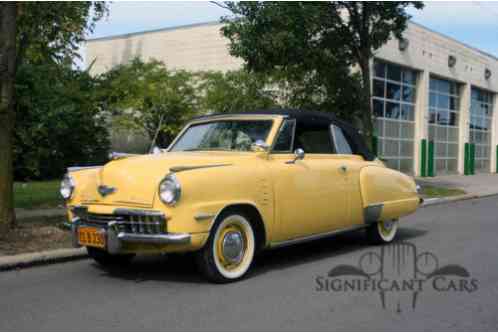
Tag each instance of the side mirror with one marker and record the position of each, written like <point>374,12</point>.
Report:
<point>298,155</point>
<point>156,150</point>
<point>260,145</point>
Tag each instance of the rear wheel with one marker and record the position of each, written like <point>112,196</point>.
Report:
<point>382,232</point>
<point>230,248</point>
<point>105,259</point>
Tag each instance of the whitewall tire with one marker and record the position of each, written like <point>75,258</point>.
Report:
<point>382,232</point>
<point>229,251</point>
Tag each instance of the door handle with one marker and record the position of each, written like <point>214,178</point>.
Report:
<point>343,168</point>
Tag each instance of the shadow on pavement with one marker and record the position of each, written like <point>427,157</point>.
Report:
<point>182,268</point>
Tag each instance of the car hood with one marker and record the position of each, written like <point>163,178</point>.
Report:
<point>134,180</point>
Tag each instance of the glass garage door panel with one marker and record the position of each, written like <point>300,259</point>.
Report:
<point>481,113</point>
<point>444,105</point>
<point>393,99</point>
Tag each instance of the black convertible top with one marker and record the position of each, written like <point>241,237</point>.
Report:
<point>314,117</point>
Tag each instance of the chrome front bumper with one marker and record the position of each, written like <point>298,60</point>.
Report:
<point>116,237</point>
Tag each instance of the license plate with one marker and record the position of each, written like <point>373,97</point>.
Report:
<point>88,236</point>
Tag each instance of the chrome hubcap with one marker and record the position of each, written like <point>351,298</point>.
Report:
<point>233,247</point>
<point>388,225</point>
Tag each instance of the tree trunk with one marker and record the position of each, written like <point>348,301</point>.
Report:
<point>366,114</point>
<point>8,13</point>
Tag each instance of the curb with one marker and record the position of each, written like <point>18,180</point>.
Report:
<point>28,215</point>
<point>41,258</point>
<point>445,200</point>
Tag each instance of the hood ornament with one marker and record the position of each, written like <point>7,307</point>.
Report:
<point>105,190</point>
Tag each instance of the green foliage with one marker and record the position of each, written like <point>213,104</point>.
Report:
<point>281,40</point>
<point>430,191</point>
<point>312,46</point>
<point>235,91</point>
<point>57,123</point>
<point>40,194</point>
<point>54,30</point>
<point>321,92</point>
<point>140,94</point>
<point>364,27</point>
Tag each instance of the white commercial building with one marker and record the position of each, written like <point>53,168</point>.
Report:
<point>434,98</point>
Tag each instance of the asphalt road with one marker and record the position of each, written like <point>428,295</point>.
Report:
<point>282,293</point>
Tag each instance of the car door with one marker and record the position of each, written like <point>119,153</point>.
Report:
<point>311,194</point>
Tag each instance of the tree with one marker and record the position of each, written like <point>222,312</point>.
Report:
<point>235,91</point>
<point>318,91</point>
<point>59,121</point>
<point>31,31</point>
<point>150,99</point>
<point>8,13</point>
<point>309,38</point>
<point>364,27</point>
<point>55,30</point>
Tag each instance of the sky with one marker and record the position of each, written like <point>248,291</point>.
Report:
<point>472,22</point>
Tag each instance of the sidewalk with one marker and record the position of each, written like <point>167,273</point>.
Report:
<point>479,185</point>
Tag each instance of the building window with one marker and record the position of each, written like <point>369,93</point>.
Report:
<point>444,105</point>
<point>393,97</point>
<point>481,112</point>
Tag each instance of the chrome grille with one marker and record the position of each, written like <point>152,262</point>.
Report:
<point>126,220</point>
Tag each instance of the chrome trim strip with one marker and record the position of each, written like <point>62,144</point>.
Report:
<point>203,216</point>
<point>78,168</point>
<point>207,118</point>
<point>74,232</point>
<point>138,212</point>
<point>117,156</point>
<point>181,168</point>
<point>314,237</point>
<point>155,239</point>
<point>293,121</point>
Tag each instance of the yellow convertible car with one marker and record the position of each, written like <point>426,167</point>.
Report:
<point>234,184</point>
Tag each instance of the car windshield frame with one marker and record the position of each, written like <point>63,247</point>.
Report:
<point>190,126</point>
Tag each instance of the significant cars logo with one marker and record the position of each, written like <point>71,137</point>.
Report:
<point>105,190</point>
<point>399,274</point>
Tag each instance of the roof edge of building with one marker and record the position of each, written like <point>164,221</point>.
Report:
<point>484,53</point>
<point>176,27</point>
<point>208,23</point>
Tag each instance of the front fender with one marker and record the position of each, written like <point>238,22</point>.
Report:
<point>206,192</point>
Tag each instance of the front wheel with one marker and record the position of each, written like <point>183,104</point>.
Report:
<point>229,251</point>
<point>382,232</point>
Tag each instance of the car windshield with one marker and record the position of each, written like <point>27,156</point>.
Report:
<point>229,135</point>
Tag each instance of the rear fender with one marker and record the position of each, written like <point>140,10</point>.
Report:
<point>387,194</point>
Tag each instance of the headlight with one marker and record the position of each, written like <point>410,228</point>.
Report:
<point>170,190</point>
<point>67,187</point>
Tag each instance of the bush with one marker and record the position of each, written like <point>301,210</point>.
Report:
<point>57,122</point>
